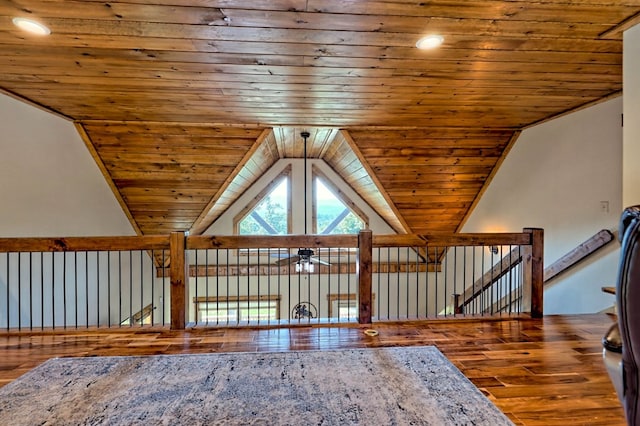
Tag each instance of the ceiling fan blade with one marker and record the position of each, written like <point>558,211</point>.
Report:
<point>320,261</point>
<point>282,255</point>
<point>287,261</point>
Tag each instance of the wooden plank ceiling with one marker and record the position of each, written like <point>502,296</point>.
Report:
<point>184,103</point>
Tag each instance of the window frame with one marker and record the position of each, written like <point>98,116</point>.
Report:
<point>255,201</point>
<point>345,299</point>
<point>240,302</point>
<point>338,193</point>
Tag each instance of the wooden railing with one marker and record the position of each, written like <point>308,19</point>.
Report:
<point>578,254</point>
<point>48,283</point>
<point>99,282</point>
<point>523,249</point>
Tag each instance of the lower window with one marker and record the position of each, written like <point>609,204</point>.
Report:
<point>344,306</point>
<point>237,309</point>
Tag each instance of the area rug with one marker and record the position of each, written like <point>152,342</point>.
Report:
<point>383,386</point>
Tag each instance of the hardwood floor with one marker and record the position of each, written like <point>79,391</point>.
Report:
<point>538,371</point>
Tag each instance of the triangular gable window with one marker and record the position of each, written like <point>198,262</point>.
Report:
<point>333,212</point>
<point>270,212</point>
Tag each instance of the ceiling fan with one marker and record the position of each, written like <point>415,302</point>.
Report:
<point>306,257</point>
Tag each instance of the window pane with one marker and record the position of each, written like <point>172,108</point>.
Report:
<point>237,311</point>
<point>346,309</point>
<point>347,312</point>
<point>269,217</point>
<point>332,216</point>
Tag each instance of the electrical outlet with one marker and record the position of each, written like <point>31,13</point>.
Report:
<point>604,206</point>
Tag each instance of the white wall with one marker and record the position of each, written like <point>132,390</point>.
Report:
<point>49,183</point>
<point>50,186</point>
<point>554,178</point>
<point>631,144</point>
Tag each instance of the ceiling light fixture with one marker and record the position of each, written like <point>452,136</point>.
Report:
<point>31,26</point>
<point>430,42</point>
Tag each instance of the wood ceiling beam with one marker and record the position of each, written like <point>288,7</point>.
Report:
<point>404,228</point>
<point>34,104</point>
<point>490,177</point>
<point>107,176</point>
<point>616,31</point>
<point>205,219</point>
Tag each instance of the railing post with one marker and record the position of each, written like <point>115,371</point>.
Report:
<point>179,281</point>
<point>537,271</point>
<point>456,302</point>
<point>365,259</point>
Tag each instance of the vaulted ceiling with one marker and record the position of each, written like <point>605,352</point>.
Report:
<point>183,104</point>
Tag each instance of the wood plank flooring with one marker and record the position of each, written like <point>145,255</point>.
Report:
<point>538,371</point>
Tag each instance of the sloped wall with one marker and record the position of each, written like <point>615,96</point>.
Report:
<point>49,184</point>
<point>556,177</point>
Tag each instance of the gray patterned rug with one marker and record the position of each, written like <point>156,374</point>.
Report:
<point>385,386</point>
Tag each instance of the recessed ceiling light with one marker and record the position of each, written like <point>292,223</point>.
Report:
<point>31,26</point>
<point>429,42</point>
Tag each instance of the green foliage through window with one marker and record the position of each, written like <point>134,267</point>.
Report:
<point>269,217</point>
<point>332,216</point>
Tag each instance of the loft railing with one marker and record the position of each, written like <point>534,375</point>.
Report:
<point>80,282</point>
<point>471,274</point>
<point>191,281</point>
<point>229,276</point>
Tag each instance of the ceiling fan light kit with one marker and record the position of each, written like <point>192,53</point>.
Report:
<point>305,265</point>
